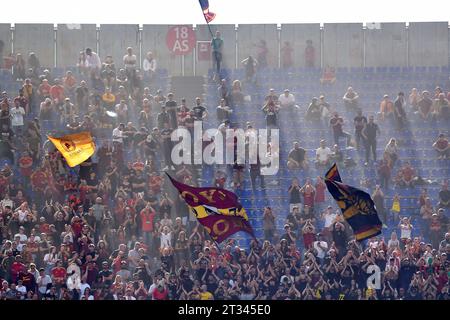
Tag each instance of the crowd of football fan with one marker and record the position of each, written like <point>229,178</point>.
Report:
<point>109,229</point>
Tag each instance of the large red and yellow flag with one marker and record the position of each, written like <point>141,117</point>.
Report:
<point>217,209</point>
<point>75,148</point>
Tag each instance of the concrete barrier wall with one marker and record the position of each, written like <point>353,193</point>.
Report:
<point>5,37</point>
<point>71,39</point>
<point>428,43</point>
<point>228,35</point>
<point>343,45</point>
<point>297,35</point>
<point>114,39</point>
<point>154,40</point>
<point>249,36</point>
<point>37,38</point>
<point>386,46</point>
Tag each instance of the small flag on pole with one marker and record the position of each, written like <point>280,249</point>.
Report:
<point>75,148</point>
<point>209,16</point>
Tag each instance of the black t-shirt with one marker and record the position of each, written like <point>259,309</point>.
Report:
<point>444,195</point>
<point>271,117</point>
<point>360,121</point>
<point>171,106</point>
<point>295,196</point>
<point>139,137</point>
<point>166,140</point>
<point>297,154</point>
<point>163,117</point>
<point>198,112</point>
<point>337,126</point>
<point>371,131</point>
<point>138,180</point>
<point>105,273</point>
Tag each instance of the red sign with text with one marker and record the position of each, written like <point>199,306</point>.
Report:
<point>180,40</point>
<point>203,50</point>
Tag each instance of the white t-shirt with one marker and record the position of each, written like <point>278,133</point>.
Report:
<point>7,202</point>
<point>83,287</point>
<point>22,289</point>
<point>165,240</point>
<point>323,153</point>
<point>23,237</point>
<point>93,61</point>
<point>129,61</point>
<point>405,231</point>
<point>149,65</point>
<point>117,135</point>
<point>17,116</point>
<point>329,219</point>
<point>286,101</point>
<point>320,252</point>
<point>46,279</point>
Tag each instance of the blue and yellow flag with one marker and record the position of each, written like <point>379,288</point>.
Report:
<point>209,16</point>
<point>356,205</point>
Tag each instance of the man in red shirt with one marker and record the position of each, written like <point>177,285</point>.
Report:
<point>320,194</point>
<point>44,90</point>
<point>57,92</point>
<point>336,123</point>
<point>161,292</point>
<point>147,219</point>
<point>442,147</point>
<point>16,268</point>
<point>58,274</point>
<point>308,191</point>
<point>406,175</point>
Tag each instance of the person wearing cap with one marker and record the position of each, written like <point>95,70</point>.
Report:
<point>272,96</point>
<point>444,243</point>
<point>442,147</point>
<point>287,100</point>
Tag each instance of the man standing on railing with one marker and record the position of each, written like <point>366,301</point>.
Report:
<point>216,48</point>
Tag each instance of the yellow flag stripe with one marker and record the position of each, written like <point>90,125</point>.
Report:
<point>202,212</point>
<point>79,147</point>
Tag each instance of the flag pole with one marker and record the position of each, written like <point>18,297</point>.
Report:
<point>206,20</point>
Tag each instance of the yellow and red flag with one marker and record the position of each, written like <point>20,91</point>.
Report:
<point>75,148</point>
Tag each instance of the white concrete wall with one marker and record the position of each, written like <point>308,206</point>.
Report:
<point>428,44</point>
<point>69,42</point>
<point>297,35</point>
<point>38,38</point>
<point>343,44</point>
<point>250,34</point>
<point>387,46</point>
<point>114,39</point>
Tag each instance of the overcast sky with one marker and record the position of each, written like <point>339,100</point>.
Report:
<point>228,11</point>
